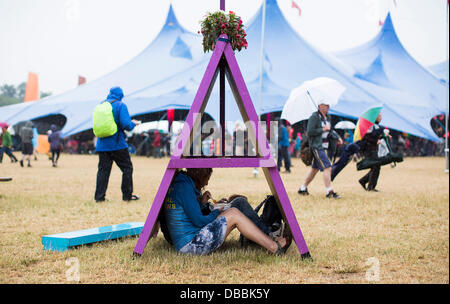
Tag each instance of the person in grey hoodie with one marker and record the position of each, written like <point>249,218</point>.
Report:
<point>26,135</point>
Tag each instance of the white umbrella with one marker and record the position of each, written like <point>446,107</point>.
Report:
<point>304,100</point>
<point>345,124</point>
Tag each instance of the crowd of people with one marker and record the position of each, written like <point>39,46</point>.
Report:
<point>188,221</point>
<point>147,143</point>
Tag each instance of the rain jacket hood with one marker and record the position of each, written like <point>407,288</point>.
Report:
<point>115,93</point>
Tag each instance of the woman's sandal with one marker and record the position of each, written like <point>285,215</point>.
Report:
<point>287,235</point>
<point>281,250</point>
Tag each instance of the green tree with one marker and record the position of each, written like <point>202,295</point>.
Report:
<point>45,94</point>
<point>21,91</point>
<point>8,90</point>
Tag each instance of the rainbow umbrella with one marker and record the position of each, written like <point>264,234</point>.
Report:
<point>366,120</point>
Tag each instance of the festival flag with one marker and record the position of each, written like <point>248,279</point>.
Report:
<point>366,120</point>
<point>32,88</point>
<point>81,80</point>
<point>295,5</point>
<point>170,117</point>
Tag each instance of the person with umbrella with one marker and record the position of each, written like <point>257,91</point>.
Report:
<point>364,126</point>
<point>372,140</point>
<point>302,105</point>
<point>367,138</point>
<point>319,133</point>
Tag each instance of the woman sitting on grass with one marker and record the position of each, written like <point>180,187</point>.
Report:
<point>193,232</point>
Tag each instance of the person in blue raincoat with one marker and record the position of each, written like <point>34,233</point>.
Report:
<point>115,149</point>
<point>35,142</point>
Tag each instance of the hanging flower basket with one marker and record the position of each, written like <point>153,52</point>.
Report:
<point>218,23</point>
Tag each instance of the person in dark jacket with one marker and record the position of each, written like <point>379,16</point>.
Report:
<point>55,144</point>
<point>26,135</point>
<point>370,151</point>
<point>115,149</point>
<point>319,134</point>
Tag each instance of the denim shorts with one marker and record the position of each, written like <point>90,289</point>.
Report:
<point>208,239</point>
<point>321,160</point>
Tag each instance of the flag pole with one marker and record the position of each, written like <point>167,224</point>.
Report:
<point>261,62</point>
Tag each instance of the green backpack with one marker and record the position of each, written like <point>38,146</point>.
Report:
<point>104,123</point>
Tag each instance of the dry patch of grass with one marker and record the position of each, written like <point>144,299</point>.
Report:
<point>404,227</point>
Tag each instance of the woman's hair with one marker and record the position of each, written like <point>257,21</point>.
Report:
<point>199,175</point>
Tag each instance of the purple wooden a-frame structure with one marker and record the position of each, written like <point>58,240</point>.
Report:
<point>223,61</point>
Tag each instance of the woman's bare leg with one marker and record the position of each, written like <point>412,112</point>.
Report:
<point>236,219</point>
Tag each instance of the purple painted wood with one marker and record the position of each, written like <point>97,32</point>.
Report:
<point>222,106</point>
<point>221,163</point>
<point>202,95</point>
<point>247,109</point>
<point>280,192</point>
<point>242,95</point>
<point>222,5</point>
<point>197,107</point>
<point>273,176</point>
<point>154,211</point>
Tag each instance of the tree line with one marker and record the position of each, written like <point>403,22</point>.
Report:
<point>10,94</point>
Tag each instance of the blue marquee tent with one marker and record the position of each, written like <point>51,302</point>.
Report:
<point>174,50</point>
<point>168,72</point>
<point>440,70</point>
<point>385,68</point>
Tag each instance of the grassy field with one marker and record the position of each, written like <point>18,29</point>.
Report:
<point>399,235</point>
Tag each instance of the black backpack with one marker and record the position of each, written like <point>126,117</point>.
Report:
<point>271,216</point>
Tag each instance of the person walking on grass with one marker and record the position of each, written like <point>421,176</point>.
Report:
<point>55,144</point>
<point>6,145</point>
<point>372,141</point>
<point>283,148</point>
<point>157,144</point>
<point>35,142</point>
<point>114,148</point>
<point>319,134</point>
<point>26,135</point>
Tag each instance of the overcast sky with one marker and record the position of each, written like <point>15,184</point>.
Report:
<point>61,39</point>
